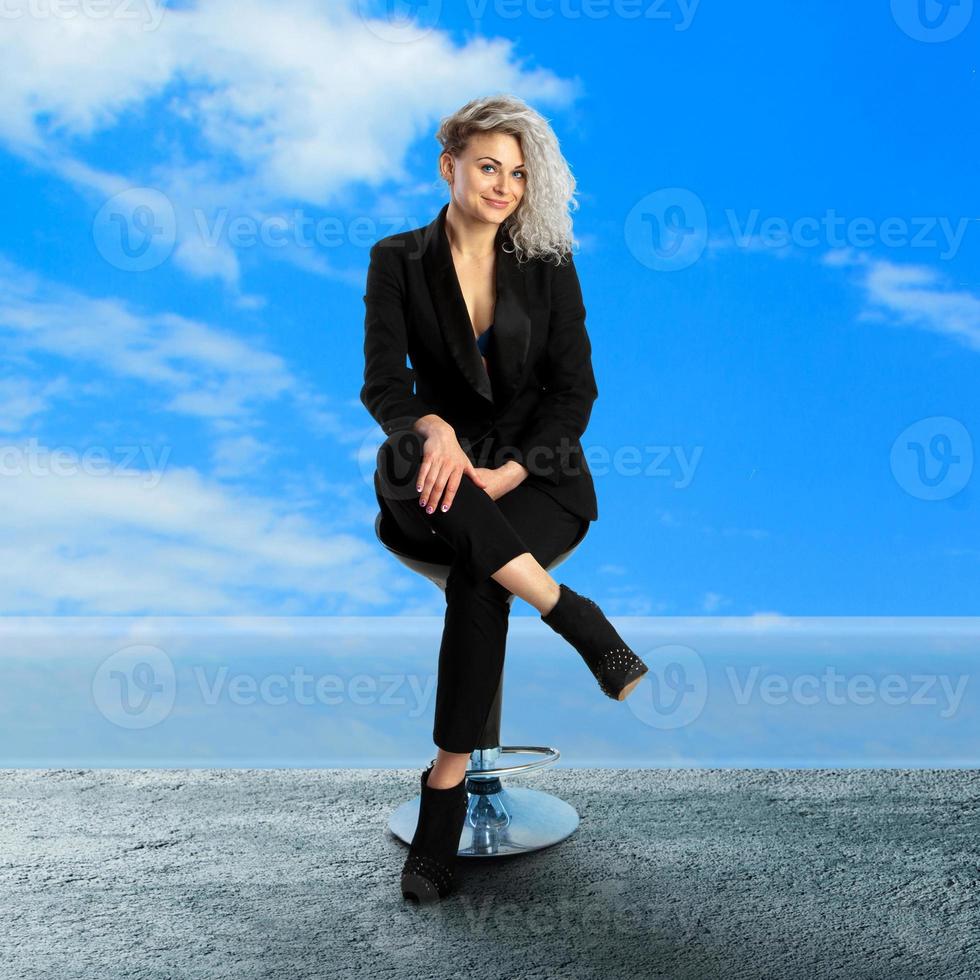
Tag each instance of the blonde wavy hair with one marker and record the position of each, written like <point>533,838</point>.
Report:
<point>541,226</point>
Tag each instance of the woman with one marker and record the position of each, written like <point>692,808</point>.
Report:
<point>485,304</point>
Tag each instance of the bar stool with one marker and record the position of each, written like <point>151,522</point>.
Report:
<point>501,820</point>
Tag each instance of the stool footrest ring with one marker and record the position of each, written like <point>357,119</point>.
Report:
<point>549,756</point>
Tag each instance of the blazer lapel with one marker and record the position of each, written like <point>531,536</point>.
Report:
<point>511,316</point>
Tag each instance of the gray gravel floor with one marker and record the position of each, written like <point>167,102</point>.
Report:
<point>672,873</point>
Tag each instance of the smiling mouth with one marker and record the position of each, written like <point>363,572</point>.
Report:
<point>490,200</point>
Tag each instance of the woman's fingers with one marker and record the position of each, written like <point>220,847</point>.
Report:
<point>443,467</point>
<point>436,496</point>
<point>429,482</point>
<point>452,485</point>
<point>423,473</point>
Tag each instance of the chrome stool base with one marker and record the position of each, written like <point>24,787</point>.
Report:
<point>501,820</point>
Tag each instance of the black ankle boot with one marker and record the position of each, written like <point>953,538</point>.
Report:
<point>429,869</point>
<point>580,621</point>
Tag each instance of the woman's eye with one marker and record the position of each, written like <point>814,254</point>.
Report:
<point>492,167</point>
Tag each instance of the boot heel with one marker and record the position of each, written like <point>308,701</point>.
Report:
<point>419,888</point>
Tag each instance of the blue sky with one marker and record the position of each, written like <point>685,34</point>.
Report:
<point>802,417</point>
<point>770,383</point>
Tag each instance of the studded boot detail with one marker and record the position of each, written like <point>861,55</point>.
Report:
<point>429,870</point>
<point>580,621</point>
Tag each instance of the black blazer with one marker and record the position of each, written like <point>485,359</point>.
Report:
<point>417,331</point>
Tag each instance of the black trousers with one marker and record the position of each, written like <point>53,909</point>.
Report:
<point>482,535</point>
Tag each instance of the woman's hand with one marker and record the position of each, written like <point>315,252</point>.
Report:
<point>444,464</point>
<point>501,480</point>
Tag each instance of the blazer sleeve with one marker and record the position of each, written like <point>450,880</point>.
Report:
<point>565,405</point>
<point>389,383</point>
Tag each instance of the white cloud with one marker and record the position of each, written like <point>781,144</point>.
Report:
<point>239,454</point>
<point>228,110</point>
<point>288,102</point>
<point>912,295</point>
<point>109,543</point>
<point>146,536</point>
<point>23,398</point>
<point>187,366</point>
<point>713,601</point>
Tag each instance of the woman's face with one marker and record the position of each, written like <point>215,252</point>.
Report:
<point>490,169</point>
